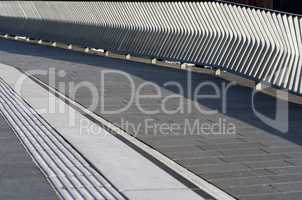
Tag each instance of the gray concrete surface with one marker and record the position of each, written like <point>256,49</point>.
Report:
<point>101,171</point>
<point>69,173</point>
<point>257,162</point>
<point>20,178</point>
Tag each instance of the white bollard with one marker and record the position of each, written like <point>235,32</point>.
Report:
<point>218,72</point>
<point>183,66</point>
<point>154,61</point>
<point>128,57</point>
<point>261,86</point>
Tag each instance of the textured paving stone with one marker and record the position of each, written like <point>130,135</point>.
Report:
<point>262,189</point>
<point>276,196</point>
<point>288,187</point>
<point>295,162</point>
<point>268,164</point>
<point>293,149</point>
<point>232,146</point>
<point>237,174</point>
<point>286,170</point>
<point>293,195</point>
<point>256,158</point>
<point>193,154</point>
<point>240,152</point>
<point>294,155</point>
<point>246,182</point>
<point>286,178</point>
<point>217,168</point>
<point>257,155</point>
<point>201,161</point>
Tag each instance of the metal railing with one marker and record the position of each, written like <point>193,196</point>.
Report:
<point>259,44</point>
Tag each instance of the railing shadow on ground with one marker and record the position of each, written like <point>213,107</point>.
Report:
<point>239,97</point>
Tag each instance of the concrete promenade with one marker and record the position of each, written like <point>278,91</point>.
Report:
<point>256,162</point>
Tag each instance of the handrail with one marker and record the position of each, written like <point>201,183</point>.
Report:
<point>260,44</point>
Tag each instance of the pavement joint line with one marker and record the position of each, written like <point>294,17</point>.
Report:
<point>31,129</point>
<point>102,160</point>
<point>180,170</point>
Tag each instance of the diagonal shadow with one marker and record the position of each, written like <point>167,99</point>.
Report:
<point>239,98</point>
